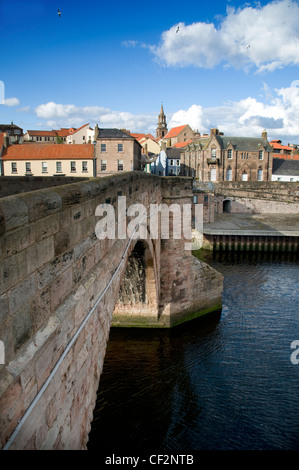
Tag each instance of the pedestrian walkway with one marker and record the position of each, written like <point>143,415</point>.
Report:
<point>253,224</point>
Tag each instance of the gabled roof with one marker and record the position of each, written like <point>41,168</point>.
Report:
<point>48,152</point>
<point>174,132</point>
<point>245,144</point>
<point>79,129</point>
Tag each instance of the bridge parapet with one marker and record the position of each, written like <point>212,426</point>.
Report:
<point>59,286</point>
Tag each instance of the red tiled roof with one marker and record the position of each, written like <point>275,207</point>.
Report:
<point>174,131</point>
<point>48,152</point>
<point>1,139</point>
<point>183,144</point>
<point>65,132</point>
<point>139,136</point>
<point>285,156</point>
<point>276,145</point>
<point>41,133</point>
<point>53,133</point>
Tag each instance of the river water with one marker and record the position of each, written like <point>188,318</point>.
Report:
<point>224,382</point>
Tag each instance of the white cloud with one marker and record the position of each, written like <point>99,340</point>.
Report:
<point>277,112</point>
<point>266,37</point>
<point>11,101</point>
<point>249,116</point>
<point>69,115</point>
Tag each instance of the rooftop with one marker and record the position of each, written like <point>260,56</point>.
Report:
<point>48,152</point>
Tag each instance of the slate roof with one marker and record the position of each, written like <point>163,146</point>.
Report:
<point>173,152</point>
<point>247,144</point>
<point>6,127</point>
<point>114,134</point>
<point>285,167</point>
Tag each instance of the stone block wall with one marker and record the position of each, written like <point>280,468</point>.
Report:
<point>53,269</point>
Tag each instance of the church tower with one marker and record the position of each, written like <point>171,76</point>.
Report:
<point>161,130</point>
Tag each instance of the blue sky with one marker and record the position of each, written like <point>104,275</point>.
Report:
<point>232,65</point>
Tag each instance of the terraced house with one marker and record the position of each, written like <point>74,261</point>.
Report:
<point>228,158</point>
<point>48,160</point>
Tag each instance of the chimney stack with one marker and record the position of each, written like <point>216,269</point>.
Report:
<point>214,131</point>
<point>264,135</point>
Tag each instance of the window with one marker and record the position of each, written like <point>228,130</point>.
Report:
<point>178,162</point>
<point>14,167</point>
<point>213,175</point>
<point>229,153</point>
<point>103,148</point>
<point>73,167</point>
<point>84,167</point>
<point>244,176</point>
<point>44,167</point>
<point>213,153</point>
<point>28,167</point>
<point>120,165</point>
<point>103,165</point>
<point>120,147</point>
<point>171,162</point>
<point>260,174</point>
<point>58,167</point>
<point>261,155</point>
<point>229,174</point>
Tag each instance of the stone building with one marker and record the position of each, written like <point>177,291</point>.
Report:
<point>178,134</point>
<point>15,133</point>
<point>116,150</point>
<point>221,158</point>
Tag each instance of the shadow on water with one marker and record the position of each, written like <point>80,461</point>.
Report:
<point>133,407</point>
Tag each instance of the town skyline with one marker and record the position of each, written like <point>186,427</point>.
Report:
<point>230,65</point>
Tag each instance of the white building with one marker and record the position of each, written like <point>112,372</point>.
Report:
<point>167,162</point>
<point>82,135</point>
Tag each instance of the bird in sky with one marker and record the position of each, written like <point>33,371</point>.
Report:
<point>59,13</point>
<point>178,28</point>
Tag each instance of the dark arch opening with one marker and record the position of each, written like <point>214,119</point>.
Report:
<point>227,205</point>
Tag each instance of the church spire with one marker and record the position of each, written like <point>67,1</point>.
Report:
<point>161,130</point>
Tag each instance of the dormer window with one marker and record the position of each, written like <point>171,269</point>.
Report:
<point>261,154</point>
<point>213,153</point>
<point>229,153</point>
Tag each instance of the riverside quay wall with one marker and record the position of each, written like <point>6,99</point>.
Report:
<point>259,216</point>
<point>63,285</point>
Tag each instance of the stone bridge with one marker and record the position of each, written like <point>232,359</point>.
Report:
<point>63,287</point>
